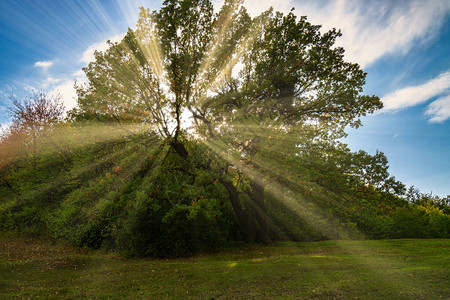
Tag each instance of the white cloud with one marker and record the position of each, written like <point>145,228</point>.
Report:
<point>256,7</point>
<point>4,128</point>
<point>415,95</point>
<point>372,29</point>
<point>67,90</point>
<point>44,64</point>
<point>79,73</point>
<point>439,110</point>
<point>26,87</point>
<point>88,54</point>
<point>68,94</point>
<point>49,81</point>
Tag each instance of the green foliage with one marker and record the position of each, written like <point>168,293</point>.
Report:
<point>410,223</point>
<point>125,195</point>
<point>267,99</point>
<point>292,92</point>
<point>120,194</point>
<point>177,214</point>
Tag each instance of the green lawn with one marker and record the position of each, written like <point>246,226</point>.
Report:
<point>388,269</point>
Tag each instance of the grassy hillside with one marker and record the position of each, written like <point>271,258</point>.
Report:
<point>133,194</point>
<point>394,269</point>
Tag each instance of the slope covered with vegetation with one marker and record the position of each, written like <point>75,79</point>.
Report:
<point>122,194</point>
<point>198,129</point>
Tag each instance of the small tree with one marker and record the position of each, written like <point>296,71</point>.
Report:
<point>34,116</point>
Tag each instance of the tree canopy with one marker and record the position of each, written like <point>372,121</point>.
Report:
<point>263,94</point>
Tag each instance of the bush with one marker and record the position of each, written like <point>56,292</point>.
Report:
<point>410,222</point>
<point>175,212</point>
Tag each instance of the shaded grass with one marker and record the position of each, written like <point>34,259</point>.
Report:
<point>390,269</point>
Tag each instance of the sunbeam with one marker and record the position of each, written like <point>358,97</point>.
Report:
<point>202,132</point>
<point>219,61</point>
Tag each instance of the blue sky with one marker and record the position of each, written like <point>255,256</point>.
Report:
<point>403,45</point>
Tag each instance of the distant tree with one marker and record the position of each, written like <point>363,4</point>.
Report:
<point>36,114</point>
<point>264,94</point>
<point>32,118</point>
<point>415,196</point>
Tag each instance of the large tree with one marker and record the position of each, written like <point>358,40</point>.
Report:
<point>261,93</point>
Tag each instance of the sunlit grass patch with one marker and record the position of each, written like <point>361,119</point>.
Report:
<point>393,269</point>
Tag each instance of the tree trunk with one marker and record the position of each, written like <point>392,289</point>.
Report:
<point>245,223</point>
<point>263,234</point>
<point>180,149</point>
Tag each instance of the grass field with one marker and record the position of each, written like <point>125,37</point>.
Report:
<point>388,269</point>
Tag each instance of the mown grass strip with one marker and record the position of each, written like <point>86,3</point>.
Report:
<point>389,269</point>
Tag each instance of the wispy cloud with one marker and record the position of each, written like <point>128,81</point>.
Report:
<point>50,81</point>
<point>4,127</point>
<point>44,64</point>
<point>372,29</point>
<point>88,54</point>
<point>26,87</point>
<point>255,7</point>
<point>439,110</point>
<point>63,84</point>
<point>414,95</point>
<point>68,94</point>
<point>67,90</point>
<point>79,73</point>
